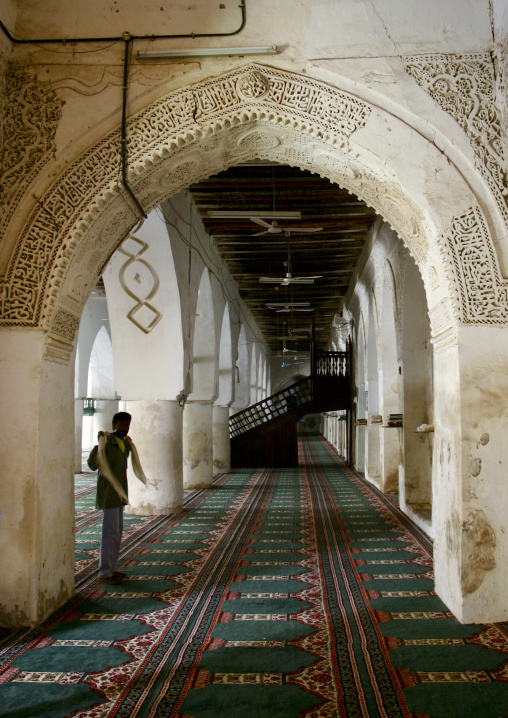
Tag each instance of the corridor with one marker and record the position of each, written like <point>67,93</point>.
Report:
<point>275,593</point>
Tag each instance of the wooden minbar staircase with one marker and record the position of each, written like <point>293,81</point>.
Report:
<point>265,434</point>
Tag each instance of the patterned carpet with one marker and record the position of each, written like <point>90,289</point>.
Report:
<point>276,594</point>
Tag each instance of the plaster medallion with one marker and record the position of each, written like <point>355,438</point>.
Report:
<point>170,176</point>
<point>253,85</point>
<point>258,139</point>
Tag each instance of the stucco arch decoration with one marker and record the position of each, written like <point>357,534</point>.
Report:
<point>192,133</point>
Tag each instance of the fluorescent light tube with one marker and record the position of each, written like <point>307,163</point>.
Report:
<point>245,214</point>
<point>208,52</point>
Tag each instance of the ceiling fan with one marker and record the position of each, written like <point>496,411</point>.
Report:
<point>289,279</point>
<point>290,354</point>
<point>273,228</point>
<point>287,307</point>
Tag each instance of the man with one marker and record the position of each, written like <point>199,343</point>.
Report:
<point>112,493</point>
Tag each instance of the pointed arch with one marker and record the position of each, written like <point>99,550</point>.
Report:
<point>249,112</point>
<point>389,396</point>
<point>204,364</point>
<point>101,375</point>
<point>242,370</point>
<point>225,360</point>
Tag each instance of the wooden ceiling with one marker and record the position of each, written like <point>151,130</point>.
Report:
<point>332,252</point>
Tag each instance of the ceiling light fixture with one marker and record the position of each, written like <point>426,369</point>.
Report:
<point>245,214</point>
<point>208,52</point>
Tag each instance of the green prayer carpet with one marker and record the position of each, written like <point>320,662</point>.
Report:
<point>275,594</point>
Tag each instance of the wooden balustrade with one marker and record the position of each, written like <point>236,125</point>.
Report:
<point>328,365</point>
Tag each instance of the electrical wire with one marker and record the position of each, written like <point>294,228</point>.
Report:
<point>14,37</point>
<point>73,51</point>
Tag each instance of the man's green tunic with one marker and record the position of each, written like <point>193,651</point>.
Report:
<point>107,498</point>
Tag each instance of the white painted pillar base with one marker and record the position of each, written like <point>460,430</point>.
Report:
<point>37,487</point>
<point>221,440</point>
<point>197,445</point>
<point>156,429</point>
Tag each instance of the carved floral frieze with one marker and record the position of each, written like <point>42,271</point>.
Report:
<point>464,86</point>
<point>32,111</point>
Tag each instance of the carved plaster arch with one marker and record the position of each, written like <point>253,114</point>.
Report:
<point>250,112</point>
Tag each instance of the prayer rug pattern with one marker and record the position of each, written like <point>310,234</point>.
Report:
<point>275,593</point>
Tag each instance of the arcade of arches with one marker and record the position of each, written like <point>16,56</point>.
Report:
<point>402,104</point>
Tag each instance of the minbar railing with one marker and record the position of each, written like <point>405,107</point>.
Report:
<point>328,365</point>
<point>272,407</point>
<point>332,364</point>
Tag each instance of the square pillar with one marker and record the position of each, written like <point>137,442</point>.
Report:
<point>37,488</point>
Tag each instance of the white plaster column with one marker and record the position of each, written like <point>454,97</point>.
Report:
<point>105,409</point>
<point>37,487</point>
<point>197,445</point>
<point>87,436</point>
<point>221,440</point>
<point>156,429</point>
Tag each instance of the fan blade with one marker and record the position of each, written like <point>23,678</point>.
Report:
<point>262,222</point>
<point>283,311</point>
<point>302,230</point>
<point>271,280</point>
<point>304,310</point>
<point>275,305</point>
<point>258,234</point>
<point>299,280</point>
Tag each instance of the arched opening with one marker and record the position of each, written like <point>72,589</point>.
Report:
<point>372,468</point>
<point>100,388</point>
<point>360,417</point>
<point>221,440</point>
<point>204,366</point>
<point>66,259</point>
<point>389,387</point>
<point>416,390</point>
<point>93,373</point>
<point>225,361</point>
<point>254,362</point>
<point>242,371</point>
